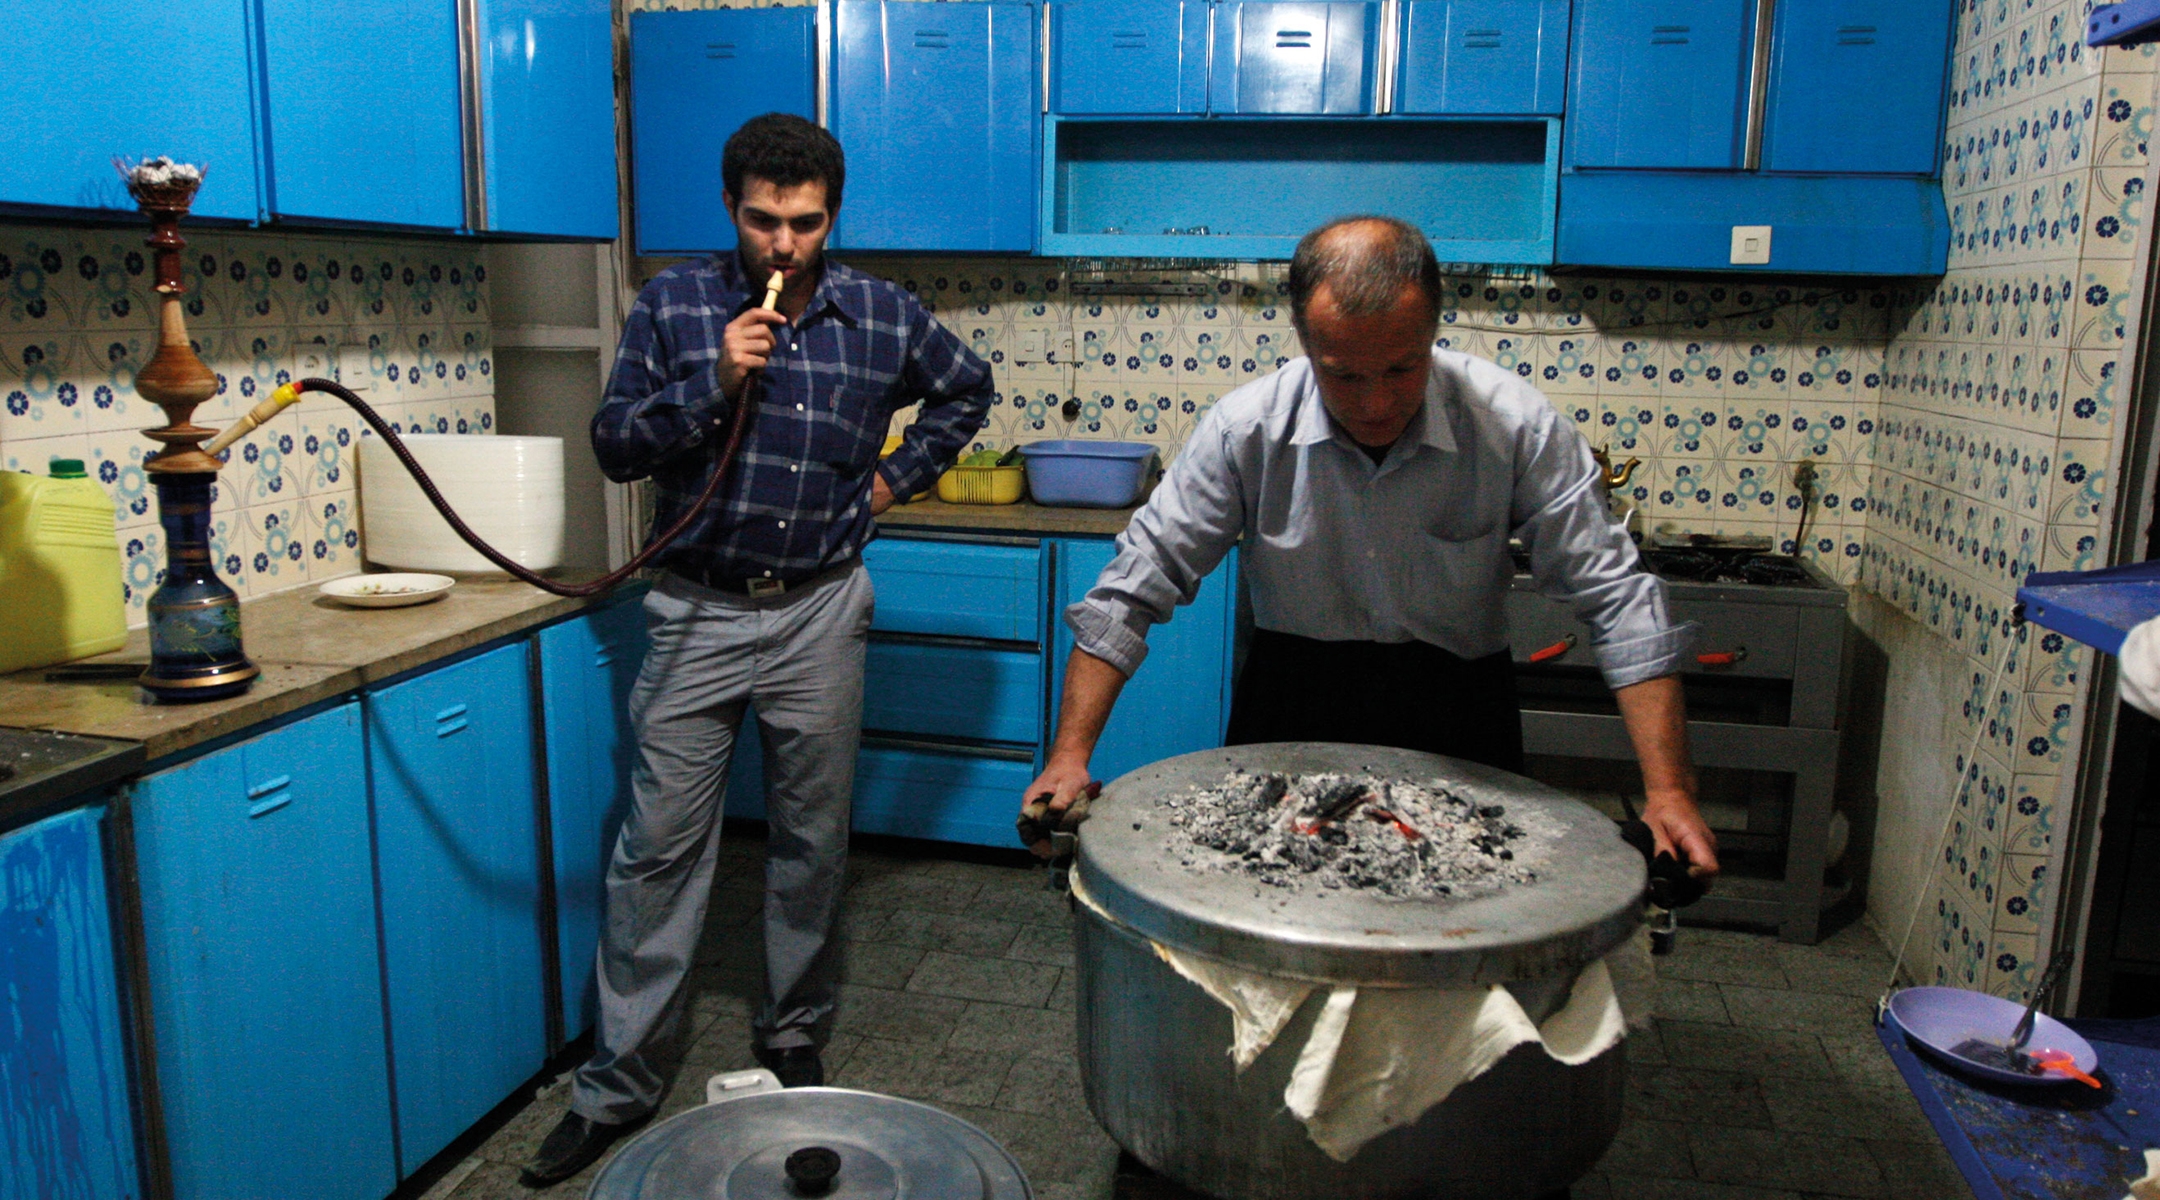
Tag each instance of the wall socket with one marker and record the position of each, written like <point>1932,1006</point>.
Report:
<point>1038,343</point>
<point>1751,245</point>
<point>313,360</point>
<point>352,367</point>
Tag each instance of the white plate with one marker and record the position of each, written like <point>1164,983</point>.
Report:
<point>389,590</point>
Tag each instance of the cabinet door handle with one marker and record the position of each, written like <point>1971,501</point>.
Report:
<point>450,720</point>
<point>270,795</point>
<point>1723,658</point>
<point>1553,651</point>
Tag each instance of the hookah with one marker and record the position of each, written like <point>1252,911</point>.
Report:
<point>194,617</point>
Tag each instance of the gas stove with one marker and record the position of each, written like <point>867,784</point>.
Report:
<point>1725,564</point>
<point>1722,563</point>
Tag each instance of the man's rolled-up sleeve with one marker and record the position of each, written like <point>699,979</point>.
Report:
<point>1579,553</point>
<point>1177,537</point>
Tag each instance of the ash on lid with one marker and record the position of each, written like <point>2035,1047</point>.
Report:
<point>1330,831</point>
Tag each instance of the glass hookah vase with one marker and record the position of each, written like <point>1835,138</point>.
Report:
<point>194,617</point>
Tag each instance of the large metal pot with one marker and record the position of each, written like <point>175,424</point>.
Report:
<point>1153,1045</point>
<point>755,1141</point>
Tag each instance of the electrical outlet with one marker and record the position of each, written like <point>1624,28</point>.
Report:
<point>1750,245</point>
<point>314,361</point>
<point>352,367</point>
<point>1034,344</point>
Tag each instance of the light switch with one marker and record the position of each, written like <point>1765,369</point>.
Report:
<point>1750,245</point>
<point>1031,346</point>
<point>352,367</point>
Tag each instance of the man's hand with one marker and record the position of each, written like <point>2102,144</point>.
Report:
<point>1065,780</point>
<point>746,345</point>
<point>881,493</point>
<point>1677,825</point>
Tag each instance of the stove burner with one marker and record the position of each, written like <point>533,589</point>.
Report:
<point>1726,565</point>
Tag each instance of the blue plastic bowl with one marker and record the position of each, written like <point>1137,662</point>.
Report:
<point>1075,473</point>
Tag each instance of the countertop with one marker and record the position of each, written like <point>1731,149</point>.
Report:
<point>309,648</point>
<point>1025,519</point>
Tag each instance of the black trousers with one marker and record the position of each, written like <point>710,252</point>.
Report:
<point>1409,695</point>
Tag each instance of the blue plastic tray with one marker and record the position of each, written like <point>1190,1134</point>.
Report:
<point>2098,608</point>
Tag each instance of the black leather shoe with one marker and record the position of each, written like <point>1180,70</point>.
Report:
<point>796,1066</point>
<point>574,1145</point>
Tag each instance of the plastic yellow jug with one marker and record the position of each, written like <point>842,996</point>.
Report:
<point>59,568</point>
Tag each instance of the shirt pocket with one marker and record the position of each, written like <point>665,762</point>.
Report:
<point>1455,584</point>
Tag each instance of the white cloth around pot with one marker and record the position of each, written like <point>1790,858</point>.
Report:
<point>1379,1058</point>
<point>2139,674</point>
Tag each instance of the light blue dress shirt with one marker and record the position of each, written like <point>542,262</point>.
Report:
<point>1413,548</point>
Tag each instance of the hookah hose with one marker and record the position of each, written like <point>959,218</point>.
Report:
<point>745,407</point>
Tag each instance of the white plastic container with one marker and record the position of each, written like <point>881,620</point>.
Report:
<point>508,489</point>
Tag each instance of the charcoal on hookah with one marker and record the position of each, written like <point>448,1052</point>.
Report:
<point>1335,831</point>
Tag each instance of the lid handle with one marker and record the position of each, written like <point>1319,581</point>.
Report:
<point>812,1170</point>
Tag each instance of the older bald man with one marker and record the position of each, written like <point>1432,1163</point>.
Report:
<point>1375,484</point>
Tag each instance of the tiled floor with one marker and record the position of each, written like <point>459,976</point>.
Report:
<point>1761,1081</point>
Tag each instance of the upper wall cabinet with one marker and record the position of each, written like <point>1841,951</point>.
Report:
<point>695,77</point>
<point>382,147</point>
<point>1293,59</point>
<point>937,108</point>
<point>126,78</point>
<point>1818,120</point>
<point>1502,57</point>
<point>546,95</point>
<point>1129,57</point>
<point>1660,83</point>
<point>1800,136</point>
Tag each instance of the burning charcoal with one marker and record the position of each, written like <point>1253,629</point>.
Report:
<point>1334,836</point>
<point>1492,810</point>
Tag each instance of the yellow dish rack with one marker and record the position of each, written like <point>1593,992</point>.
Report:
<point>982,485</point>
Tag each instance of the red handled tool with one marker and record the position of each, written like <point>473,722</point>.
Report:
<point>1553,651</point>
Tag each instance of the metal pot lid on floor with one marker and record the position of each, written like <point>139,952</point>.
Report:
<point>1585,900</point>
<point>812,1142</point>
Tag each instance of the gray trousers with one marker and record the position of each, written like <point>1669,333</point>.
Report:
<point>799,659</point>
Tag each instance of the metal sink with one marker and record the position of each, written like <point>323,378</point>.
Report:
<point>39,768</point>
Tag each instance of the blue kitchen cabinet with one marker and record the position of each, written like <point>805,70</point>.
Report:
<point>263,974</point>
<point>587,668</point>
<point>547,108</point>
<point>1292,59</point>
<point>87,83</point>
<point>976,588</point>
<point>984,693</point>
<point>1125,57</point>
<point>1476,57</point>
<point>65,1123</point>
<point>450,753</point>
<point>1179,699</point>
<point>1856,87</point>
<point>1660,83</point>
<point>695,77</point>
<point>967,795</point>
<point>362,112</point>
<point>937,106</point>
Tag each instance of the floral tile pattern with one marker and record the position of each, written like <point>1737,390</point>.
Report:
<point>77,320</point>
<point>1997,440</point>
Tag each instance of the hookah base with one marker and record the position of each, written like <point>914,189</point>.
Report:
<point>192,685</point>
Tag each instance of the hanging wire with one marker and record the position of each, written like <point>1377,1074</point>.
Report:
<point>1969,773</point>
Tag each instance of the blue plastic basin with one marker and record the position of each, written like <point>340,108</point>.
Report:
<point>1075,473</point>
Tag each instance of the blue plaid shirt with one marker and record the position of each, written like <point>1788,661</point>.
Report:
<point>799,501</point>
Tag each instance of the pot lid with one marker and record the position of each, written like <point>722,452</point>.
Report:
<point>765,1147</point>
<point>1585,899</point>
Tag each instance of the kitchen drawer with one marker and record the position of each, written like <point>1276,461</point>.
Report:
<point>988,693</point>
<point>918,792</point>
<point>1766,632</point>
<point>957,589</point>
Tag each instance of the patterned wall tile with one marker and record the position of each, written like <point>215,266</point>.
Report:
<point>77,321</point>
